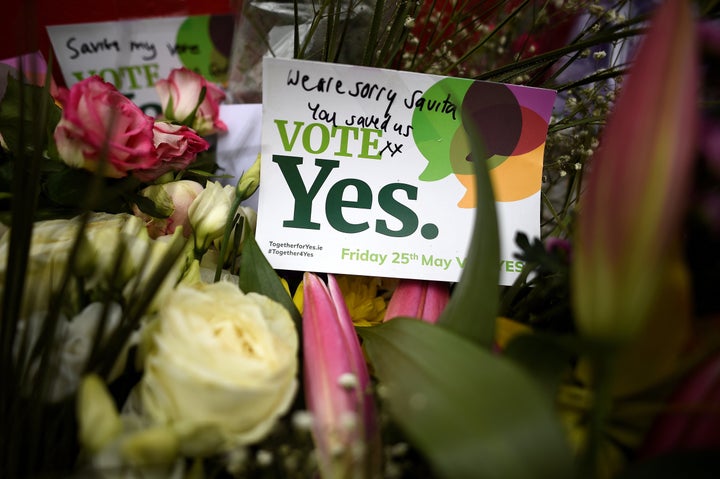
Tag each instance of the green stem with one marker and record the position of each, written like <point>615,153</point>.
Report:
<point>548,204</point>
<point>229,225</point>
<point>497,29</point>
<point>512,70</point>
<point>373,33</point>
<point>603,365</point>
<point>317,19</point>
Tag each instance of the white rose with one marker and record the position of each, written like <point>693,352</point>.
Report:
<point>52,241</point>
<point>221,358</point>
<point>51,244</point>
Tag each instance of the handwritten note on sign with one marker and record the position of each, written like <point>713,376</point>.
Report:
<point>366,171</point>
<point>134,54</point>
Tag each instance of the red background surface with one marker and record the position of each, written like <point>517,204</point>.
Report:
<point>23,22</point>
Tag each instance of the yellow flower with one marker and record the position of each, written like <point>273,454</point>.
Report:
<point>366,297</point>
<point>507,329</point>
<point>298,298</point>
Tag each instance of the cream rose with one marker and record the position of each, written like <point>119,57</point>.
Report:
<point>102,238</point>
<point>221,358</point>
<point>50,247</point>
<point>52,241</point>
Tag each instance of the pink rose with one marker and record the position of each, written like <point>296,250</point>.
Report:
<point>176,146</point>
<point>97,120</point>
<point>174,199</point>
<point>179,96</point>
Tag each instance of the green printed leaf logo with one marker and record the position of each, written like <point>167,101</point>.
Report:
<point>203,45</point>
<point>511,123</point>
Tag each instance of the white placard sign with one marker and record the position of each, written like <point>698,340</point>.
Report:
<point>366,171</point>
<point>134,54</point>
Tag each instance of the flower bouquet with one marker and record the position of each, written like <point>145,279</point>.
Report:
<point>144,334</point>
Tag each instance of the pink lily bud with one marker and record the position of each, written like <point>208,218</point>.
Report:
<point>337,385</point>
<point>413,298</point>
<point>632,210</point>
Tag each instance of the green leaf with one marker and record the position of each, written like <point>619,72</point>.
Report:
<point>159,209</point>
<point>544,357</point>
<point>256,275</point>
<point>21,105</point>
<point>204,174</point>
<point>71,187</point>
<point>472,413</point>
<point>68,186</point>
<point>473,306</point>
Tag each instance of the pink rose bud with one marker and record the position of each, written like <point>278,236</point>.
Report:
<point>98,120</point>
<point>180,96</point>
<point>174,199</point>
<point>176,146</point>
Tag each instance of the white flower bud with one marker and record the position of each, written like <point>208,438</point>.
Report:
<point>98,420</point>
<point>208,213</point>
